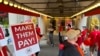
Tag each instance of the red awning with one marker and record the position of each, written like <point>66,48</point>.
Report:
<point>6,8</point>
<point>93,12</point>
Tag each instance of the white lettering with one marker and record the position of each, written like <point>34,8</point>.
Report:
<point>26,42</point>
<point>28,27</point>
<point>22,28</point>
<point>20,43</point>
<point>31,33</point>
<point>30,40</point>
<point>25,34</point>
<point>17,29</point>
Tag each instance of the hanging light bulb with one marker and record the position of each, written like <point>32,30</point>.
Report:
<point>15,5</point>
<point>19,6</point>
<point>5,2</point>
<point>27,9</point>
<point>11,3</point>
<point>22,7</point>
<point>0,1</point>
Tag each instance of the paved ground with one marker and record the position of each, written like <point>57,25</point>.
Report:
<point>47,50</point>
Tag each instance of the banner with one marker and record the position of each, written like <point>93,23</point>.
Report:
<point>24,39</point>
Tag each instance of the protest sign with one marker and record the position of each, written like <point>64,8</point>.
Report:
<point>24,39</point>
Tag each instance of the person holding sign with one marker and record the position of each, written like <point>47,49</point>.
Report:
<point>38,31</point>
<point>24,39</point>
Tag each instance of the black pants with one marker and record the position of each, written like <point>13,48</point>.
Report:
<point>60,38</point>
<point>37,53</point>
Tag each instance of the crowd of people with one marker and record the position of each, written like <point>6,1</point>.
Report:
<point>72,43</point>
<point>76,40</point>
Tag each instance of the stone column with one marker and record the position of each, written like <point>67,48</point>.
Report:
<point>41,24</point>
<point>82,22</point>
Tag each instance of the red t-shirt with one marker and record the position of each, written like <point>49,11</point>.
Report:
<point>83,33</point>
<point>98,40</point>
<point>4,51</point>
<point>81,38</point>
<point>60,28</point>
<point>38,30</point>
<point>93,36</point>
<point>79,41</point>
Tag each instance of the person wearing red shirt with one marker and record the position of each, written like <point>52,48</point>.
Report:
<point>38,31</point>
<point>79,41</point>
<point>60,29</point>
<point>98,43</point>
<point>93,36</point>
<point>83,36</point>
<point>84,32</point>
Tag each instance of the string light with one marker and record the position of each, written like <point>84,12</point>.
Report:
<point>15,5</point>
<point>22,7</point>
<point>88,9</point>
<point>19,6</point>
<point>11,3</point>
<point>1,1</point>
<point>5,2</point>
